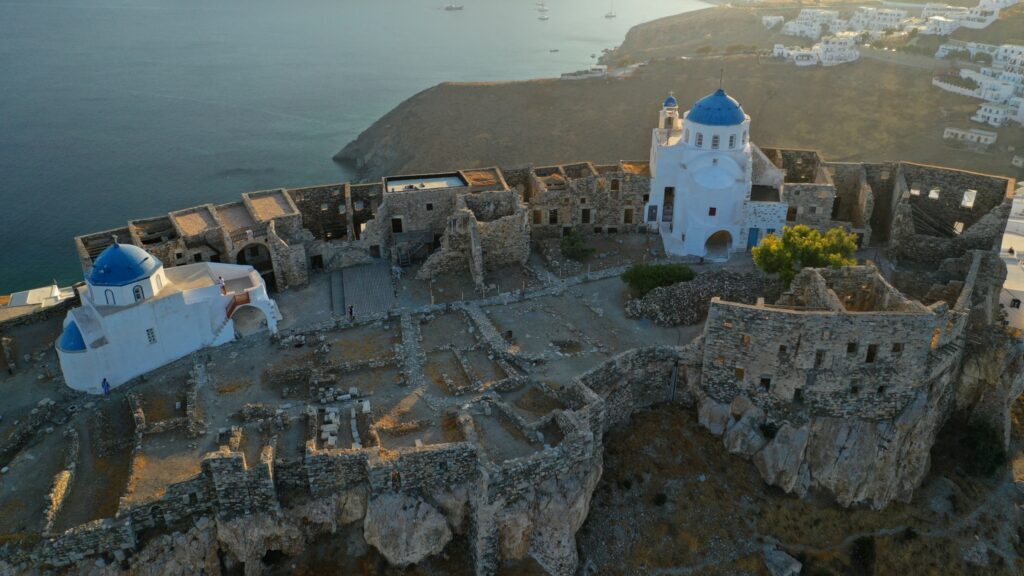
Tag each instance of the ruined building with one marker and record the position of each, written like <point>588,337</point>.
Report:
<point>838,387</point>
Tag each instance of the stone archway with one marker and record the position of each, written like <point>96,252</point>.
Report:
<point>257,255</point>
<point>249,320</point>
<point>718,246</point>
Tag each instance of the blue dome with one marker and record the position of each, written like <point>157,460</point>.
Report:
<point>718,109</point>
<point>122,264</point>
<point>71,340</point>
<point>671,102</point>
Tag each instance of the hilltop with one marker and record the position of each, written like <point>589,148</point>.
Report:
<point>869,111</point>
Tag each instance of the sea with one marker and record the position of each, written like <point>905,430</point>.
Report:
<point>112,110</point>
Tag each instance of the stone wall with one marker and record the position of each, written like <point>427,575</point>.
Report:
<point>812,202</point>
<point>634,380</point>
<point>931,220</point>
<point>99,536</point>
<point>423,468</point>
<point>686,303</point>
<point>589,201</point>
<point>882,180</point>
<point>331,471</point>
<point>62,481</point>
<point>823,360</point>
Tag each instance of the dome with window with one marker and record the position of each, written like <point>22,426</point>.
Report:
<point>122,264</point>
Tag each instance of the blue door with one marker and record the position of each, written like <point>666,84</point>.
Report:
<point>753,237</point>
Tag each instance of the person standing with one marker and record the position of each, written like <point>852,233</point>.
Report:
<point>222,284</point>
<point>106,387</point>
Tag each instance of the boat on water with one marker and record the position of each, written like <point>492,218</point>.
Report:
<point>453,7</point>
<point>541,6</point>
<point>543,17</point>
<point>553,50</point>
<point>611,11</point>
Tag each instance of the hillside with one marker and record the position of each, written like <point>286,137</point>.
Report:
<point>716,30</point>
<point>1009,29</point>
<point>873,110</point>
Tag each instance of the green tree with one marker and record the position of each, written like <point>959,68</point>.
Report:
<point>803,247</point>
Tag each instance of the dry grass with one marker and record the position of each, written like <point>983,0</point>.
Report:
<point>869,111</point>
<point>233,386</point>
<point>665,453</point>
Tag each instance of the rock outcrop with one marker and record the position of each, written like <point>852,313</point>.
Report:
<point>857,462</point>
<point>405,529</point>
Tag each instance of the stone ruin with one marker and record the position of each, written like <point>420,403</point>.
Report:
<point>838,386</point>
<point>479,220</point>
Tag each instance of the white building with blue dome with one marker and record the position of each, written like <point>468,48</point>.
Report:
<point>137,316</point>
<point>701,179</point>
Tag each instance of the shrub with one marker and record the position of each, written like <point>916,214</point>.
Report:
<point>981,449</point>
<point>642,278</point>
<point>862,556</point>
<point>575,247</point>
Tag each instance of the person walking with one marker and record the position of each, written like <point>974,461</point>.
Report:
<point>351,314</point>
<point>223,285</point>
<point>106,387</point>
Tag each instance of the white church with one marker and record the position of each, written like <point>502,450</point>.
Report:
<point>701,177</point>
<point>137,316</point>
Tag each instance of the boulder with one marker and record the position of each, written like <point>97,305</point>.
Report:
<point>781,460</point>
<point>714,416</point>
<point>405,529</point>
<point>779,563</point>
<point>745,436</point>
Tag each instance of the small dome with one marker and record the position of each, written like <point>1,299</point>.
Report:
<point>718,109</point>
<point>71,340</point>
<point>122,264</point>
<point>671,102</point>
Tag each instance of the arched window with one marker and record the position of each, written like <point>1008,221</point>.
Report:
<point>732,141</point>
<point>138,293</point>
<point>714,142</point>
<point>686,136</point>
<point>700,140</point>
<point>109,295</point>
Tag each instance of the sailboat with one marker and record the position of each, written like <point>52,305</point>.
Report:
<point>611,12</point>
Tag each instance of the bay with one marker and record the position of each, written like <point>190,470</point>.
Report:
<point>112,110</point>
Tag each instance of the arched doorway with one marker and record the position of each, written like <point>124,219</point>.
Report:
<point>718,245</point>
<point>258,256</point>
<point>249,320</point>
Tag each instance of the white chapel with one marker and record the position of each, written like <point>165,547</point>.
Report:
<point>701,175</point>
<point>137,316</point>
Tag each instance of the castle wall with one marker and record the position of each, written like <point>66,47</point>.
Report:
<point>825,362</point>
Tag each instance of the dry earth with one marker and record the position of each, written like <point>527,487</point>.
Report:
<point>671,501</point>
<point>871,110</point>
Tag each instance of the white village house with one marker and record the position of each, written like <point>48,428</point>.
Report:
<point>1012,252</point>
<point>137,316</point>
<point>701,180</point>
